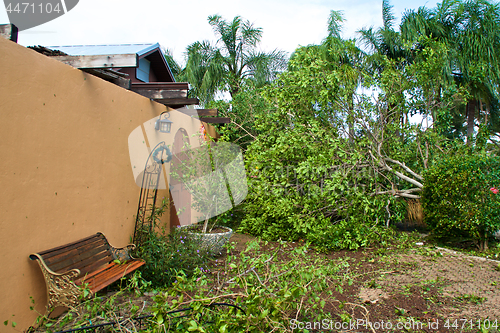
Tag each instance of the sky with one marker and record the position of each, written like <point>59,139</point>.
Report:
<point>286,24</point>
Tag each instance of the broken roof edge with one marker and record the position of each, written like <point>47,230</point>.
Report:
<point>102,49</point>
<point>141,49</point>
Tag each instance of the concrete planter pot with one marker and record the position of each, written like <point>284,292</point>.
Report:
<point>211,242</point>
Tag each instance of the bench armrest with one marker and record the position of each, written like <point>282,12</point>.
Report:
<point>72,272</point>
<point>122,253</point>
<point>61,290</point>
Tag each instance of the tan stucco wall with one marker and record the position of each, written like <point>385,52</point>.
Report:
<point>65,170</point>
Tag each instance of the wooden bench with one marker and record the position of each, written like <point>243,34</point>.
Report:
<point>92,261</point>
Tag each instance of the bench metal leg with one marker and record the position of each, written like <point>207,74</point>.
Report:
<point>61,290</point>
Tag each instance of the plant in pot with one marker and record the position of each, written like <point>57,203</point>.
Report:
<point>214,175</point>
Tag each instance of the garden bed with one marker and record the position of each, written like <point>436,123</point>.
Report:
<point>284,285</point>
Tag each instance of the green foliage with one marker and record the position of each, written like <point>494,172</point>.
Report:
<point>433,92</point>
<point>167,256</point>
<point>271,292</point>
<point>285,180</point>
<point>305,182</point>
<point>345,234</point>
<point>468,31</point>
<point>138,284</point>
<point>243,110</point>
<point>174,66</point>
<point>12,323</point>
<point>214,176</point>
<point>328,162</point>
<point>458,197</point>
<point>117,306</point>
<point>230,218</point>
<point>310,175</point>
<point>473,299</point>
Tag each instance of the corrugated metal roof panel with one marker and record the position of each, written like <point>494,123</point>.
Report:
<point>140,49</point>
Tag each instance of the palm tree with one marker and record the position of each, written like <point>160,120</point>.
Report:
<point>347,61</point>
<point>431,28</point>
<point>174,65</point>
<point>471,31</point>
<point>385,40</point>
<point>478,47</point>
<point>233,59</point>
<point>385,44</point>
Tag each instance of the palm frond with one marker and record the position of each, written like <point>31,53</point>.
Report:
<point>335,22</point>
<point>369,39</point>
<point>174,66</point>
<point>387,15</point>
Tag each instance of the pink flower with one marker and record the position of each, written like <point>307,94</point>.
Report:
<point>494,190</point>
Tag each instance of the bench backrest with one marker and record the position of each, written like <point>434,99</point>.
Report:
<point>87,255</point>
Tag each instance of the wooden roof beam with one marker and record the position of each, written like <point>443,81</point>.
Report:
<point>161,85</point>
<point>199,112</point>
<point>160,93</point>
<point>217,120</point>
<point>117,78</point>
<point>100,61</point>
<point>176,102</point>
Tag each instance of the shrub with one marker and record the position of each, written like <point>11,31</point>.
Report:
<point>166,256</point>
<point>230,218</point>
<point>460,197</point>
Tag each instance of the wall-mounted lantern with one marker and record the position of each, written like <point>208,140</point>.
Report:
<point>163,125</point>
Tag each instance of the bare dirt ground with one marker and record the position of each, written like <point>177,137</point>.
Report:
<point>446,291</point>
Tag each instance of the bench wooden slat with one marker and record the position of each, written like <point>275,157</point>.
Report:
<point>92,266</point>
<point>87,277</point>
<point>63,248</point>
<point>77,249</point>
<point>113,274</point>
<point>69,253</point>
<point>79,258</point>
<point>108,274</point>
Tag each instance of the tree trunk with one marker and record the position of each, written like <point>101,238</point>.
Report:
<point>350,120</point>
<point>437,104</point>
<point>471,116</point>
<point>483,242</point>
